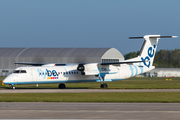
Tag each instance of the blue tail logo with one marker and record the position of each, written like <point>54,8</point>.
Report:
<point>150,55</point>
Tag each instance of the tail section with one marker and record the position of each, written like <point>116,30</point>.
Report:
<point>148,49</point>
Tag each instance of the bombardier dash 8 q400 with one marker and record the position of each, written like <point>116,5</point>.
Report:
<point>41,73</point>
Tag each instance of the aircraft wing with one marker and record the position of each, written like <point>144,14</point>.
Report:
<point>33,64</point>
<point>41,64</point>
<point>124,62</point>
<point>63,64</point>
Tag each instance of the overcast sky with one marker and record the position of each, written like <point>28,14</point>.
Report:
<point>88,23</point>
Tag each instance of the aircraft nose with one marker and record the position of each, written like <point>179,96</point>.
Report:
<point>5,81</point>
<point>8,80</point>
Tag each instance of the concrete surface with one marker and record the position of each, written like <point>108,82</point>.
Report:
<point>83,90</point>
<point>125,111</point>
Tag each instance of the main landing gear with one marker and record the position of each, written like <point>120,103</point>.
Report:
<point>62,86</point>
<point>12,87</point>
<point>103,85</point>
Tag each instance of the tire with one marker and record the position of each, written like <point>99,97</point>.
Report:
<point>12,87</point>
<point>62,86</point>
<point>104,85</point>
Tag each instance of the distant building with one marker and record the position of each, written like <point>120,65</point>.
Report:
<point>8,56</point>
<point>162,72</point>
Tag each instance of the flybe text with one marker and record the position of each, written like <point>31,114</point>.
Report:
<point>49,74</point>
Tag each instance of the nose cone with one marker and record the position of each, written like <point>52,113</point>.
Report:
<point>8,80</point>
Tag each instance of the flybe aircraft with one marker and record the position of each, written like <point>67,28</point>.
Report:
<point>41,73</point>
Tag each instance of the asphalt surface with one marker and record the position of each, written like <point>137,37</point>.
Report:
<point>83,90</point>
<point>125,111</point>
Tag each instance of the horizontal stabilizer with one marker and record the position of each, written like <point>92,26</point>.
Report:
<point>136,37</point>
<point>154,36</point>
<point>164,37</point>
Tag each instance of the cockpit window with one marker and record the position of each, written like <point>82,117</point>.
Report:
<point>16,71</point>
<point>22,71</point>
<point>19,71</point>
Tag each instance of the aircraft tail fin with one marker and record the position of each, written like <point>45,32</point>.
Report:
<point>149,47</point>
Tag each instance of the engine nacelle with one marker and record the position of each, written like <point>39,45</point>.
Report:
<point>96,69</point>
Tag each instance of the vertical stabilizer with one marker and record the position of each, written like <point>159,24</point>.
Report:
<point>148,49</point>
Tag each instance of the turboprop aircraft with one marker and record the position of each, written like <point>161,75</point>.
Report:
<point>41,73</point>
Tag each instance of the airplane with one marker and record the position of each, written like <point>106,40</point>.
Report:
<point>44,73</point>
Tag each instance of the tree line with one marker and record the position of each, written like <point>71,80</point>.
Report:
<point>163,58</point>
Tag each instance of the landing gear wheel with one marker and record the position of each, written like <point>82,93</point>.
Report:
<point>104,85</point>
<point>12,87</point>
<point>62,86</point>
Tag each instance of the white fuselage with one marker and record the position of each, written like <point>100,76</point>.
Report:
<point>70,74</point>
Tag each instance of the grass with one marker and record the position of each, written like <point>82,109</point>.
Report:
<point>132,83</point>
<point>148,97</point>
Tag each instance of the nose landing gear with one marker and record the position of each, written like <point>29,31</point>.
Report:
<point>12,87</point>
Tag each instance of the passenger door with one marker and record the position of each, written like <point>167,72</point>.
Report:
<point>33,74</point>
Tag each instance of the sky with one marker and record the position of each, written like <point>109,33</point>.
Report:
<point>88,23</point>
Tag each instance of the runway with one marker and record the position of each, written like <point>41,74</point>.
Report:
<point>125,111</point>
<point>83,90</point>
<point>55,110</point>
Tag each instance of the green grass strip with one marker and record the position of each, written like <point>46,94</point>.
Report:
<point>146,97</point>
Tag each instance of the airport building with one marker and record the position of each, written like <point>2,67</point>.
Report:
<point>162,72</point>
<point>9,56</point>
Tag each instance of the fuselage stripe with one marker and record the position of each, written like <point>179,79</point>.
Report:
<point>131,68</point>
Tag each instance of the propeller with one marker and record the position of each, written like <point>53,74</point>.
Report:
<point>81,68</point>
